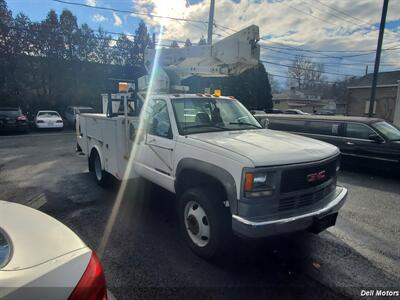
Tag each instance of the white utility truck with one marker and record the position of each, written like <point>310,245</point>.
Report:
<point>230,174</point>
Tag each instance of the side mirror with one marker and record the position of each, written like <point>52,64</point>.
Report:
<point>376,138</point>
<point>264,122</point>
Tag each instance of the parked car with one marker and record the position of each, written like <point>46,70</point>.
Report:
<point>275,111</point>
<point>325,113</point>
<point>48,119</point>
<point>365,140</point>
<point>40,258</point>
<point>72,111</point>
<point>257,111</point>
<point>294,112</point>
<point>12,119</point>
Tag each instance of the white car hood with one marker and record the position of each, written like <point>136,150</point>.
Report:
<point>35,237</point>
<point>269,147</point>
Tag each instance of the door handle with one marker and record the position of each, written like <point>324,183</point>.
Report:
<point>350,143</point>
<point>151,141</point>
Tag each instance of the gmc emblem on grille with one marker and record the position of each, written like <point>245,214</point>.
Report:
<point>313,177</point>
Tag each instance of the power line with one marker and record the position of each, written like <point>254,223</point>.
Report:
<point>307,56</point>
<point>339,51</point>
<point>336,16</point>
<point>129,12</point>
<point>318,52</point>
<point>305,69</point>
<point>354,65</point>
<point>307,14</point>
<point>342,12</point>
<point>287,77</point>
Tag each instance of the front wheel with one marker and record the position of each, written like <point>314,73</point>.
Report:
<point>204,221</point>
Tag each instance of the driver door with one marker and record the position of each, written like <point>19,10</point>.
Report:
<point>157,145</point>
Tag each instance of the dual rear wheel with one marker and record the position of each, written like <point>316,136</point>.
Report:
<point>102,177</point>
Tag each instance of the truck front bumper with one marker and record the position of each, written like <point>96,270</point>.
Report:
<point>316,220</point>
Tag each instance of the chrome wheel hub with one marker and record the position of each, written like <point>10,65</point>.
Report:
<point>197,225</point>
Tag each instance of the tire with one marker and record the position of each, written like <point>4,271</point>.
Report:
<point>205,222</point>
<point>102,177</point>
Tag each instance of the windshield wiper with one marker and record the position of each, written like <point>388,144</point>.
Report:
<point>244,123</point>
<point>203,126</point>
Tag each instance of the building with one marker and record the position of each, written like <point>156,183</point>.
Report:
<point>387,105</point>
<point>307,101</point>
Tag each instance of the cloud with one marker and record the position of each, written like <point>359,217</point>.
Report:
<point>293,23</point>
<point>91,2</point>
<point>117,20</point>
<point>99,18</point>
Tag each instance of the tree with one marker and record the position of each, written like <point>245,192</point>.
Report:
<point>188,43</point>
<point>86,41</point>
<point>305,74</point>
<point>202,41</point>
<point>70,33</point>
<point>142,40</point>
<point>252,87</point>
<point>103,52</point>
<point>275,86</point>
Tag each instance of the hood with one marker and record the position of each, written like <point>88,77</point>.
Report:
<point>266,147</point>
<point>35,237</point>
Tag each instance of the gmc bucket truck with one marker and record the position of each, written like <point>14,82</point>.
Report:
<point>229,173</point>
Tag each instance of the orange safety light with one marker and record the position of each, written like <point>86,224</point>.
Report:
<point>123,87</point>
<point>217,93</point>
<point>248,182</point>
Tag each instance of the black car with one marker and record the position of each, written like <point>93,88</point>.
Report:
<point>370,141</point>
<point>12,119</point>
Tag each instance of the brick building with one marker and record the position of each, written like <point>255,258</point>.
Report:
<point>387,105</point>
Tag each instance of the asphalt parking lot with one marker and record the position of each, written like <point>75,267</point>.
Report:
<point>144,256</point>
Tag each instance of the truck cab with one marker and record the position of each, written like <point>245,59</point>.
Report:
<point>230,174</point>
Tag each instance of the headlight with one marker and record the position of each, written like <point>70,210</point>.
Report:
<point>259,184</point>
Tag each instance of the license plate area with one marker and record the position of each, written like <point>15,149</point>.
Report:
<point>321,223</point>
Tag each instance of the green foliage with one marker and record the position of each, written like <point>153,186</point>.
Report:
<point>55,63</point>
<point>252,88</point>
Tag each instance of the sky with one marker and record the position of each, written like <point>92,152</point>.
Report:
<point>342,34</point>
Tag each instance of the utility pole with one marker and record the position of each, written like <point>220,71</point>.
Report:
<point>210,22</point>
<point>378,58</point>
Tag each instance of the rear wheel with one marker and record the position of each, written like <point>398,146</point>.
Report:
<point>101,176</point>
<point>204,221</point>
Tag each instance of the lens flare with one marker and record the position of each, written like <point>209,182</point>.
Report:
<point>129,171</point>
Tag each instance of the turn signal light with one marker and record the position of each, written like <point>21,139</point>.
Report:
<point>248,182</point>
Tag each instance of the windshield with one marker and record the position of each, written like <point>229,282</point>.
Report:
<point>196,115</point>
<point>389,131</point>
<point>48,114</point>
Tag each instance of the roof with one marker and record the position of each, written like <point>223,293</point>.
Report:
<point>384,78</point>
<point>324,118</point>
